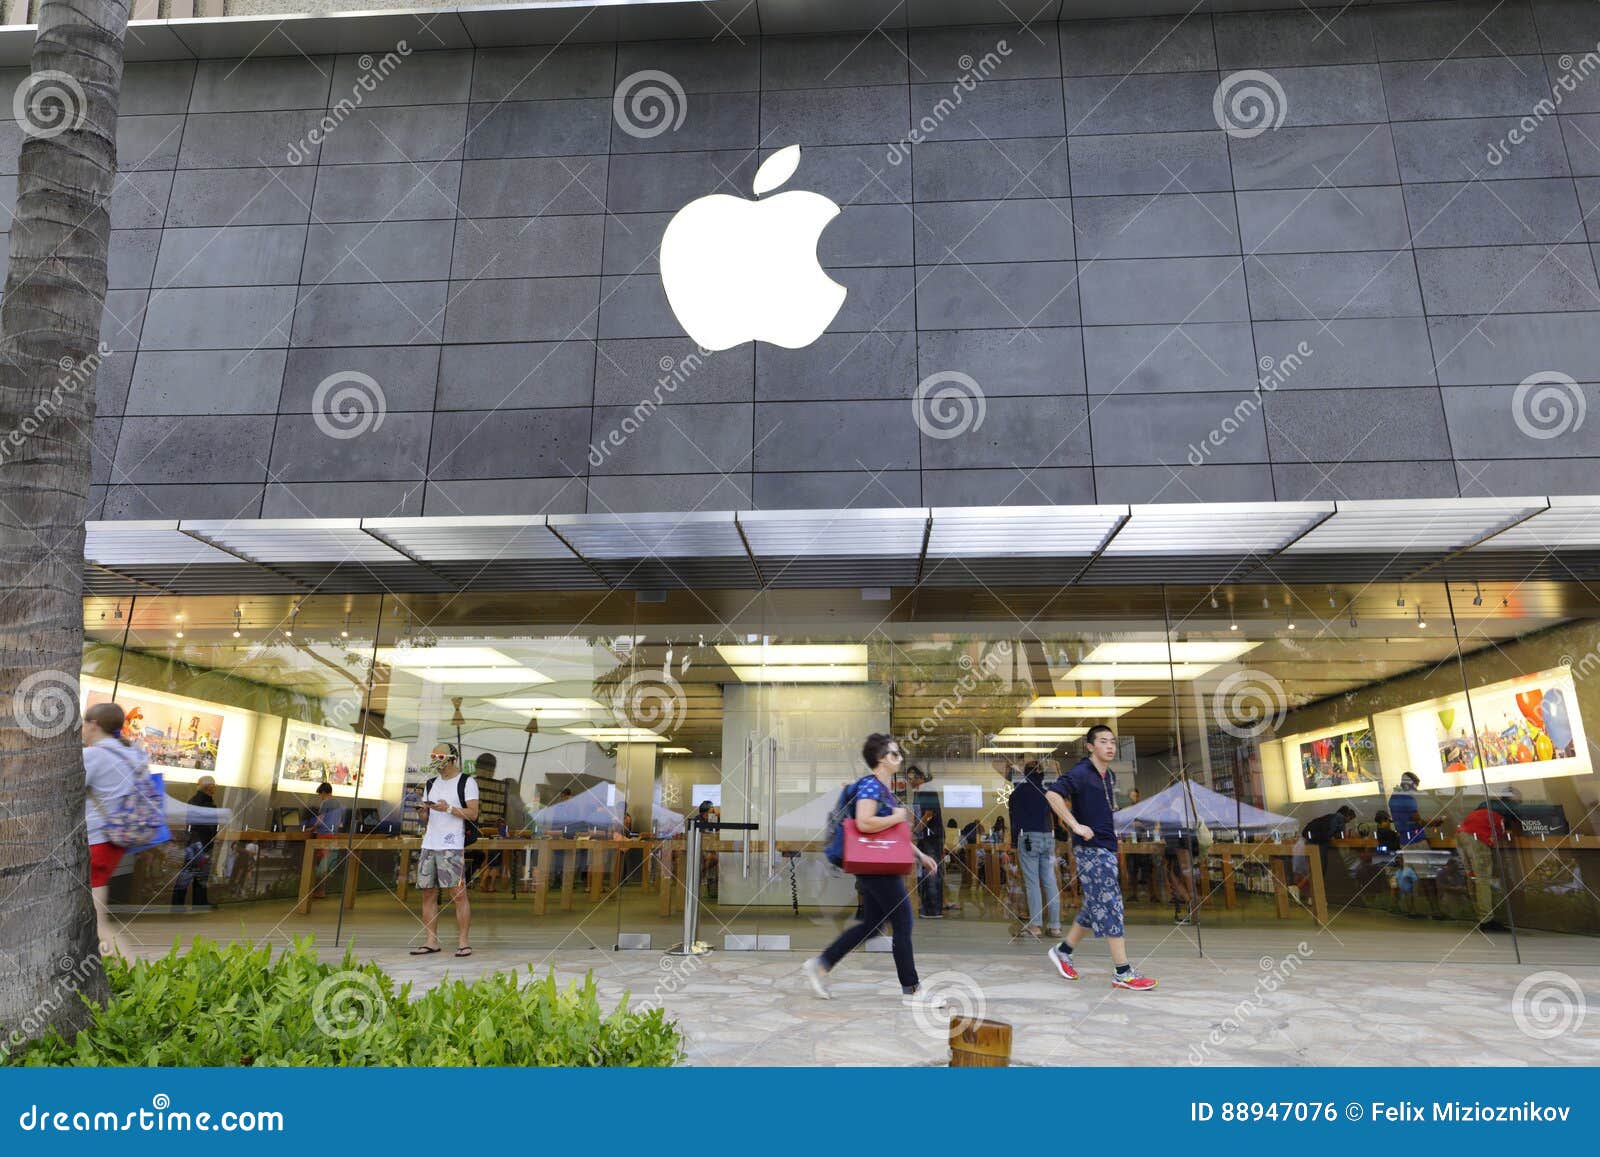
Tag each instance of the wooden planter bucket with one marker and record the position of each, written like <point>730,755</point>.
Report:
<point>976,1043</point>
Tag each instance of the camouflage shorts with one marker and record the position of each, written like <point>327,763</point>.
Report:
<point>441,868</point>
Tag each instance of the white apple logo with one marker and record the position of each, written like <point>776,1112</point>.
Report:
<point>737,271</point>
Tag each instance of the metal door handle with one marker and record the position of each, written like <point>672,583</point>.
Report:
<point>772,807</point>
<point>749,763</point>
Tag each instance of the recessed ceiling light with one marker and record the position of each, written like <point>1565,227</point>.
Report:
<point>1015,750</point>
<point>675,750</point>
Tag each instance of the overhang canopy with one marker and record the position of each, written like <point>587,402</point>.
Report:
<point>1202,543</point>
<point>578,21</point>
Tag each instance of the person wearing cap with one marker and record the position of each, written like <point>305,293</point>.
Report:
<point>1480,833</point>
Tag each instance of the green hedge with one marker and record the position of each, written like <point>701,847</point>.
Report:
<point>238,1005</point>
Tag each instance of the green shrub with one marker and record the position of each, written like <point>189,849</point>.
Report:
<point>237,1005</point>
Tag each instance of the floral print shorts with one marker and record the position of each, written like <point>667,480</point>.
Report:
<point>1102,891</point>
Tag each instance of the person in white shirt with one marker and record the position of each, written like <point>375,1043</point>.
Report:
<point>449,802</point>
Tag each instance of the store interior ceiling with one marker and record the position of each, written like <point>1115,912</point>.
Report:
<point>619,666</point>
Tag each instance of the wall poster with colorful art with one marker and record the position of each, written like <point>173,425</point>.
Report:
<point>1526,727</point>
<point>171,734</point>
<point>1345,756</point>
<point>314,754</point>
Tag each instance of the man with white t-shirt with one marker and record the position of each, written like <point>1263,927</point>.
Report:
<point>449,802</point>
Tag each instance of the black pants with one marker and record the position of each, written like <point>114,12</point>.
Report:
<point>882,898</point>
<point>930,885</point>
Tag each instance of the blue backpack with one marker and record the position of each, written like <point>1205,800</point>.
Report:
<point>834,847</point>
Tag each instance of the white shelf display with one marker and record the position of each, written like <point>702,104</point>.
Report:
<point>1527,728</point>
<point>183,738</point>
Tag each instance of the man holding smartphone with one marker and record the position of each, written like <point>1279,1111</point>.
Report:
<point>448,802</point>
<point>1083,799</point>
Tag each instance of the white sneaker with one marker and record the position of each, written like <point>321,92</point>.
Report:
<point>814,972</point>
<point>922,998</point>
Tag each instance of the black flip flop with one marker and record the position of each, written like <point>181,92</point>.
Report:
<point>463,952</point>
<point>423,951</point>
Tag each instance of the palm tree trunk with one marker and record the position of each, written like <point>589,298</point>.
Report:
<point>55,290</point>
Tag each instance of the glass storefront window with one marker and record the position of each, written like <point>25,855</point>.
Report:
<point>1295,763</point>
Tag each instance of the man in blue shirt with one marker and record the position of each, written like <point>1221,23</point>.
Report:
<point>1084,798</point>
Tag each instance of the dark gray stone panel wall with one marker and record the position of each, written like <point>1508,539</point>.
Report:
<point>1068,281</point>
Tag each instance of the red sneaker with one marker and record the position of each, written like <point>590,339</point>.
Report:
<point>1063,963</point>
<point>1132,979</point>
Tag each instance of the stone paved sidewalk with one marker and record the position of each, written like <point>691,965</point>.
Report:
<point>755,1008</point>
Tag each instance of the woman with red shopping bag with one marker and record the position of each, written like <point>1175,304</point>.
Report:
<point>872,841</point>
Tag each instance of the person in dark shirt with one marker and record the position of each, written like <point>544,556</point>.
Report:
<point>1035,841</point>
<point>196,870</point>
<point>928,833</point>
<point>883,897</point>
<point>1322,831</point>
<point>1403,807</point>
<point>1389,840</point>
<point>1084,798</point>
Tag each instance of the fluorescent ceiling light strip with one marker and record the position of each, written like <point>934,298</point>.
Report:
<point>1079,706</point>
<point>792,654</point>
<point>444,656</point>
<point>1138,672</point>
<point>1015,750</point>
<point>1158,652</point>
<point>801,674</point>
<point>498,676</point>
<point>540,704</point>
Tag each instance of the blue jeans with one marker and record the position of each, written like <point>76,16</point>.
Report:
<point>1036,853</point>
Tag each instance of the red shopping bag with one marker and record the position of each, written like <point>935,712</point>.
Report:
<point>885,853</point>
